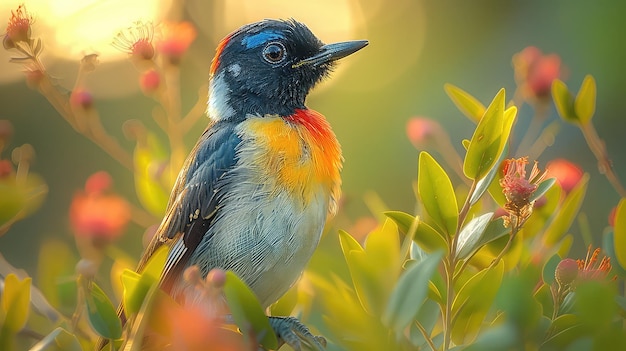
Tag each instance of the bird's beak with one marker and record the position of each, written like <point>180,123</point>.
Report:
<point>332,52</point>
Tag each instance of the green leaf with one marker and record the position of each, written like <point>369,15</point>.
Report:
<point>549,269</point>
<point>101,313</point>
<point>426,237</point>
<point>619,234</point>
<point>136,286</point>
<point>470,235</point>
<point>437,194</point>
<point>542,188</point>
<point>565,216</point>
<point>374,269</point>
<point>543,296</point>
<point>595,304</point>
<point>472,303</point>
<point>585,103</point>
<point>564,101</point>
<point>149,157</point>
<point>137,330</point>
<point>363,278</point>
<point>466,103</point>
<point>58,337</point>
<point>489,138</point>
<point>409,293</point>
<point>15,303</point>
<point>247,312</point>
<point>564,329</point>
<point>483,184</point>
<point>428,316</point>
<point>495,230</point>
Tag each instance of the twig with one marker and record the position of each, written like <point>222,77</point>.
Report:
<point>429,341</point>
<point>598,148</point>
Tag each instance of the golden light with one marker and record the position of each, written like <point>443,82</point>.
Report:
<point>69,29</point>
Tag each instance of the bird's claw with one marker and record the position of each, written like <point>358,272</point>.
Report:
<point>292,332</point>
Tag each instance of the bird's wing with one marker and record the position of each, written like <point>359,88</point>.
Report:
<point>194,200</point>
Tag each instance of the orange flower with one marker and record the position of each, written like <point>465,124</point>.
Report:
<point>535,71</point>
<point>517,189</point>
<point>588,268</point>
<point>176,40</point>
<point>566,173</point>
<point>97,214</point>
<point>18,29</point>
<point>136,40</point>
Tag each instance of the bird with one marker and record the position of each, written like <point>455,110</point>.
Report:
<point>255,192</point>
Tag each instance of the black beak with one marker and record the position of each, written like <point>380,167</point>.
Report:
<point>332,52</point>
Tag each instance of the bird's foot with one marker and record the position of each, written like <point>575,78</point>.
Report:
<point>292,332</point>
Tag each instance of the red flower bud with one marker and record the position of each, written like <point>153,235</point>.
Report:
<point>566,173</point>
<point>566,272</point>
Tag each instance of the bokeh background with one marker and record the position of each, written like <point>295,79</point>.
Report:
<point>415,48</point>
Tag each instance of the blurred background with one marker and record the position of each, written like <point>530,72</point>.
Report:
<point>415,48</point>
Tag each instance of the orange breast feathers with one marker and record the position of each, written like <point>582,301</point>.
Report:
<point>298,153</point>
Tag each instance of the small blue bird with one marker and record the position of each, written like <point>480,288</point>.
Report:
<point>255,192</point>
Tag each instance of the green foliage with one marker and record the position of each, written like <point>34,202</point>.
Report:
<point>585,103</point>
<point>409,293</point>
<point>101,313</point>
<point>15,308</point>
<point>469,105</point>
<point>424,235</point>
<point>578,110</point>
<point>247,311</point>
<point>566,214</point>
<point>435,190</point>
<point>149,156</point>
<point>489,139</point>
<point>136,286</point>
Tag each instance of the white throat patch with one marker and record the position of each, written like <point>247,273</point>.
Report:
<point>219,97</point>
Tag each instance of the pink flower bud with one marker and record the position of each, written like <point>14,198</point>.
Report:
<point>6,131</point>
<point>98,183</point>
<point>150,81</point>
<point>423,131</point>
<point>177,37</point>
<point>566,173</point>
<point>81,99</point>
<point>6,168</point>
<point>535,71</point>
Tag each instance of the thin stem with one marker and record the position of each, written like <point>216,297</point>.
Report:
<point>515,226</point>
<point>92,129</point>
<point>429,341</point>
<point>598,148</point>
<point>450,265</point>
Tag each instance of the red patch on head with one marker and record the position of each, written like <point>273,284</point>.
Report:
<point>218,52</point>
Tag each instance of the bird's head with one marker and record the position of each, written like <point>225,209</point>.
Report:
<point>269,67</point>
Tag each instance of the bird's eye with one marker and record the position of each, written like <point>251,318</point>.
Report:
<point>274,52</point>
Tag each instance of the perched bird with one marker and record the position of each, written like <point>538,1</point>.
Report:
<point>255,192</point>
